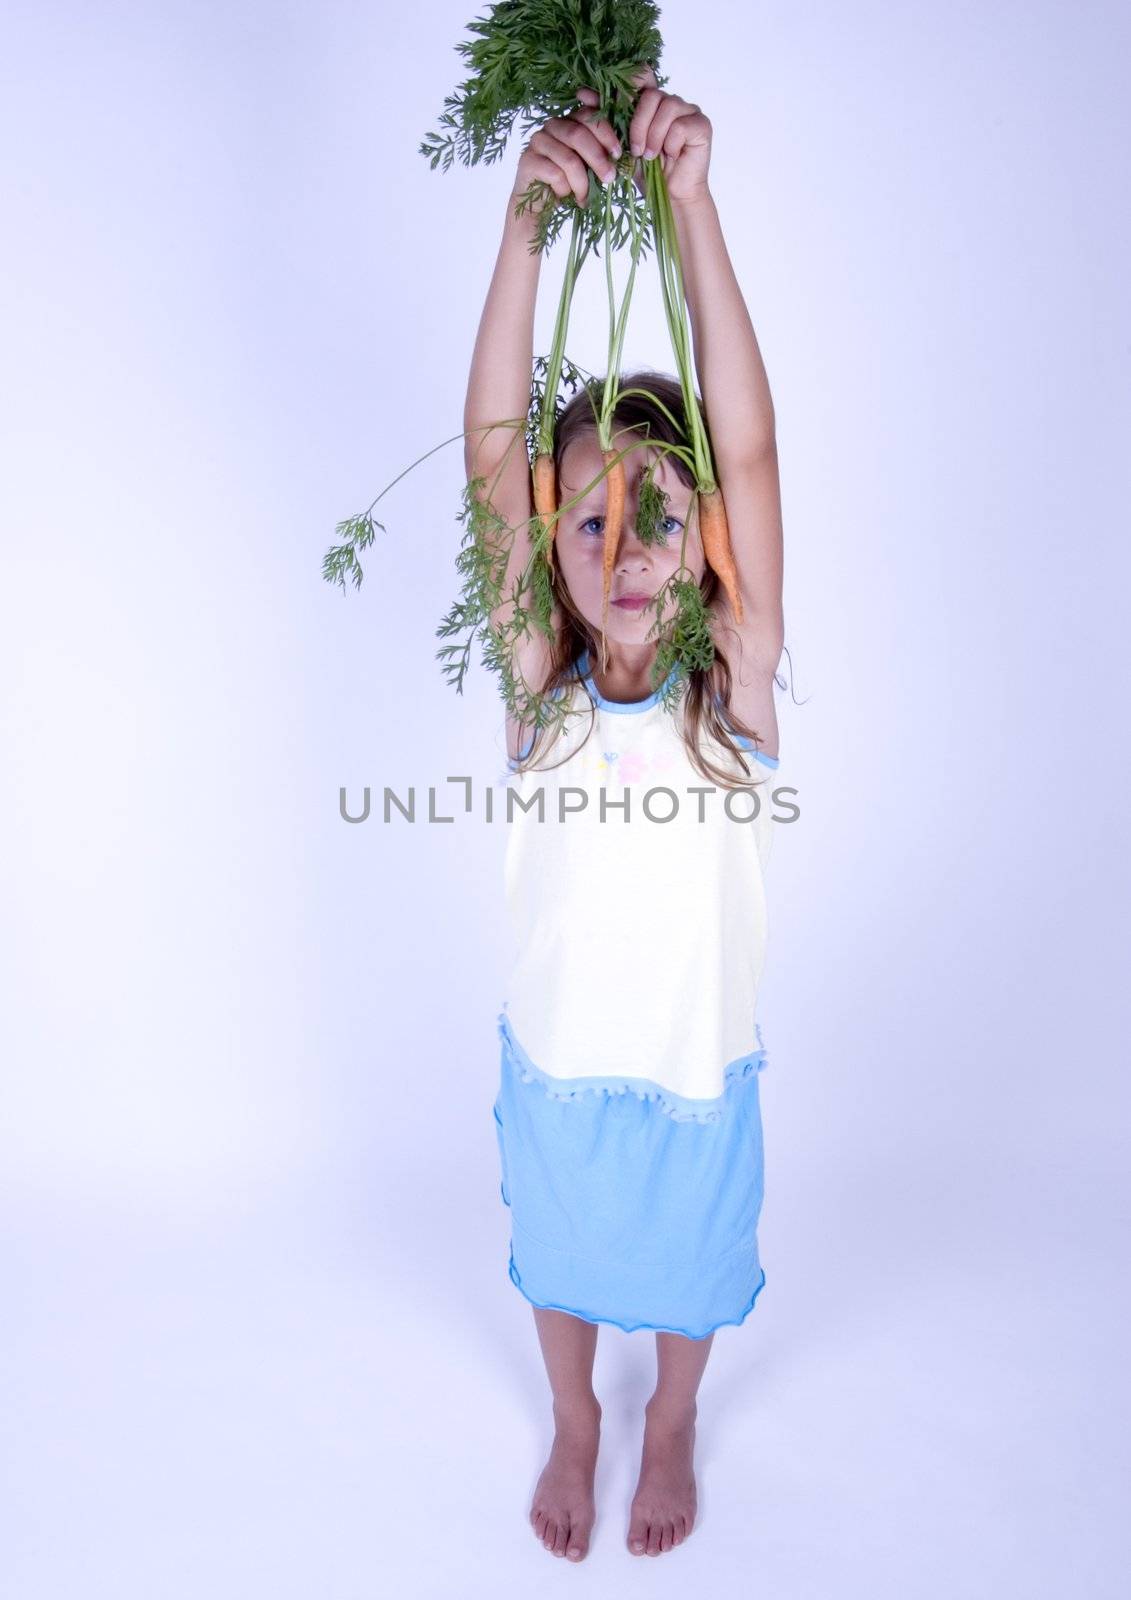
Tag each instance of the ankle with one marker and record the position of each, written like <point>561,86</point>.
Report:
<point>577,1411</point>
<point>670,1411</point>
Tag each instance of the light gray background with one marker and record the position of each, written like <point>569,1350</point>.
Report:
<point>259,1338</point>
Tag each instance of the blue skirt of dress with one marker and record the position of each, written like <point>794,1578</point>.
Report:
<point>621,1212</point>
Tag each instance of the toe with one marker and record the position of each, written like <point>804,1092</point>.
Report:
<point>560,1539</point>
<point>667,1538</point>
<point>654,1538</point>
<point>578,1544</point>
<point>637,1535</point>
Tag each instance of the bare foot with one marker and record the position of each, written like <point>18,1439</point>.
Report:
<point>563,1508</point>
<point>665,1502</point>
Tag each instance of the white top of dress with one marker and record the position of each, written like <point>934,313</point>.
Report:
<point>639,941</point>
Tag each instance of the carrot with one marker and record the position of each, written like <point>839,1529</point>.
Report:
<point>716,546</point>
<point>614,520</point>
<point>546,496</point>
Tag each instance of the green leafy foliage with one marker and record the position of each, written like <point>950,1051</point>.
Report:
<point>528,58</point>
<point>572,377</point>
<point>688,644</point>
<point>480,612</point>
<point>340,561</point>
<point>651,510</point>
<point>482,565</point>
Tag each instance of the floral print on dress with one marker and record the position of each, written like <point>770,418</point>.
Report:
<point>662,767</point>
<point>606,764</point>
<point>633,767</point>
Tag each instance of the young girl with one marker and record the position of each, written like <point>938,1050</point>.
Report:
<point>628,1120</point>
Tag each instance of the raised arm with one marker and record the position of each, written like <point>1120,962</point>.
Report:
<point>736,396</point>
<point>558,154</point>
<point>498,392</point>
<point>499,384</point>
<point>728,363</point>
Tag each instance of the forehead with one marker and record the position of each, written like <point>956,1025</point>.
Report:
<point>581,462</point>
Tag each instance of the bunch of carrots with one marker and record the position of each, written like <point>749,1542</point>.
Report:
<point>527,58</point>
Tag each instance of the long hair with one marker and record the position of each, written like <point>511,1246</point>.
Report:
<point>639,413</point>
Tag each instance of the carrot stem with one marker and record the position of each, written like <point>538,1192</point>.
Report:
<point>548,416</point>
<point>612,458</point>
<point>544,470</point>
<point>713,525</point>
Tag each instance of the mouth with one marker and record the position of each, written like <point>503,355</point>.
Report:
<point>633,602</point>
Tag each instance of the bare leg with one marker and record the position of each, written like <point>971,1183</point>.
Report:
<point>563,1508</point>
<point>664,1505</point>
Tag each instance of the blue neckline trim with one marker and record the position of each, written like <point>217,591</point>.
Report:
<point>586,676</point>
<point>631,706</point>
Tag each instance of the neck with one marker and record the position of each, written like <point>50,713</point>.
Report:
<point>628,675</point>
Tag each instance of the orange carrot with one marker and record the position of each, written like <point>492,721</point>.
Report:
<point>546,496</point>
<point>614,519</point>
<point>716,546</point>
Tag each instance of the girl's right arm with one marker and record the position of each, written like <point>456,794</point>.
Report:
<point>498,389</point>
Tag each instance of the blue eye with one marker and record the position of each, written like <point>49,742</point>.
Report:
<point>676,524</point>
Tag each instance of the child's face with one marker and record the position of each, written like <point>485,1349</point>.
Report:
<point>579,542</point>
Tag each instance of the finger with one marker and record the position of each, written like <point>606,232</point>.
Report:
<point>549,172</point>
<point>673,144</point>
<point>672,110</point>
<point>582,138</point>
<point>644,77</point>
<point>604,131</point>
<point>642,121</point>
<point>600,125</point>
<point>566,157</point>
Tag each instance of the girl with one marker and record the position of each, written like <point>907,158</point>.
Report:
<point>628,1120</point>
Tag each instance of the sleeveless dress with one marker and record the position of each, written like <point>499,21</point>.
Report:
<point>628,1117</point>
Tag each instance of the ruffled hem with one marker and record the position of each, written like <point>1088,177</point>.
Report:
<point>681,1108</point>
<point>632,1327</point>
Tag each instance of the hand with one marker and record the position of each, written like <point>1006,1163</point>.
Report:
<point>563,149</point>
<point>675,130</point>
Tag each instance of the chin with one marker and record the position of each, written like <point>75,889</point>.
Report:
<point>625,630</point>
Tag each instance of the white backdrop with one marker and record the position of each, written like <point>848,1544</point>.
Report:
<point>259,1334</point>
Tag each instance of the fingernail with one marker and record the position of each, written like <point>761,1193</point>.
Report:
<point>649,155</point>
<point>635,148</point>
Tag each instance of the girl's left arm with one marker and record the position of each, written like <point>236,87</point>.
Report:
<point>740,412</point>
<point>732,376</point>
<point>728,362</point>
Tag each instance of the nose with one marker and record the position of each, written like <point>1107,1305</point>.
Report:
<point>632,553</point>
